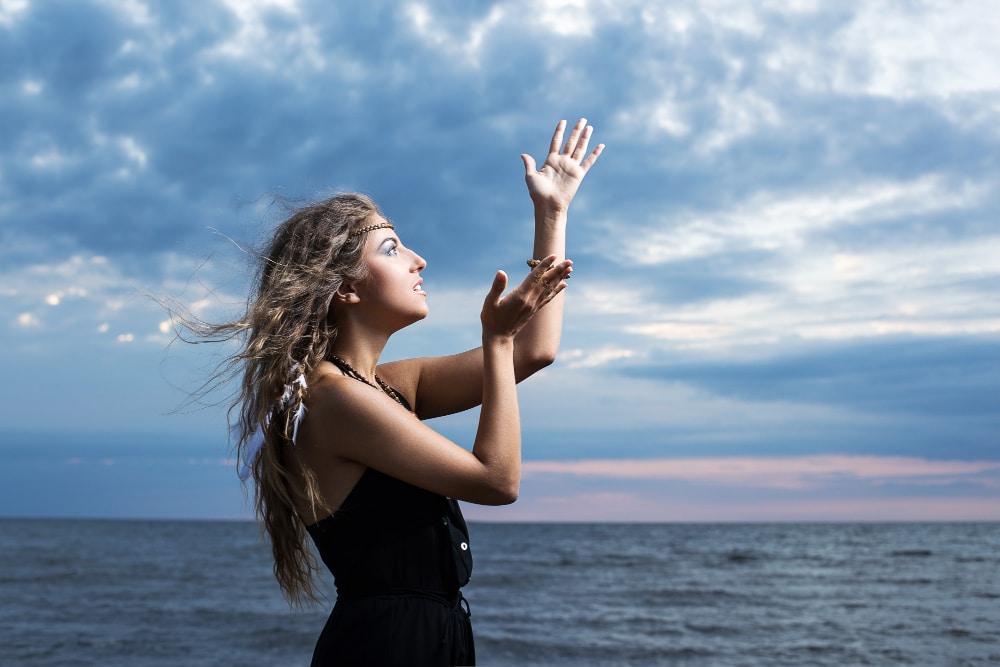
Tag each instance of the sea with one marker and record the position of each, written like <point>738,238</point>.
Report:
<point>137,593</point>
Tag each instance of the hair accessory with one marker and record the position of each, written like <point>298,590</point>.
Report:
<point>255,440</point>
<point>369,228</point>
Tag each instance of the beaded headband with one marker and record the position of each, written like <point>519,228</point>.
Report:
<point>369,228</point>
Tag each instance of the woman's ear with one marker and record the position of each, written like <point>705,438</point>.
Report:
<point>346,293</point>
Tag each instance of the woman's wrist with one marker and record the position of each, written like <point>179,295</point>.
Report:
<point>498,342</point>
<point>551,213</point>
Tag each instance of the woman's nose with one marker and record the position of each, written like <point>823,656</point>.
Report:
<point>421,263</point>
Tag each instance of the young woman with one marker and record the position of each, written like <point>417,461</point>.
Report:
<point>334,441</point>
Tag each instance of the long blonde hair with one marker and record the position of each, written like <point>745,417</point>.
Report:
<point>287,329</point>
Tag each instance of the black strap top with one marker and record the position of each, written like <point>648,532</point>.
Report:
<point>389,537</point>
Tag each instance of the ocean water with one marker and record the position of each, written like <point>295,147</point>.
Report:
<point>82,592</point>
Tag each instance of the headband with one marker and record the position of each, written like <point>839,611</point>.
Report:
<point>369,228</point>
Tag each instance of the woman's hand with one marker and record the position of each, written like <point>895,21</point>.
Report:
<point>556,183</point>
<point>504,316</point>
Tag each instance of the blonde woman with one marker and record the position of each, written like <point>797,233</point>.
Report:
<point>334,440</point>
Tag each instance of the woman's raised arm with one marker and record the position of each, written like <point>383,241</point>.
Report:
<point>450,384</point>
<point>350,421</point>
<point>552,189</point>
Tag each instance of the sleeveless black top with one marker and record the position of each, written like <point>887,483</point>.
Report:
<point>399,556</point>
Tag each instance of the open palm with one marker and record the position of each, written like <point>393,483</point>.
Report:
<point>556,183</point>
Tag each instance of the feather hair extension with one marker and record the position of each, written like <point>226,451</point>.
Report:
<point>255,441</point>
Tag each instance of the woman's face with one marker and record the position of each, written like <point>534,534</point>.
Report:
<point>393,288</point>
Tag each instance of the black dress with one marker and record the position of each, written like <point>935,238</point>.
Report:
<point>399,556</point>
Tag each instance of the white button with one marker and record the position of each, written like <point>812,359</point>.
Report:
<point>465,547</point>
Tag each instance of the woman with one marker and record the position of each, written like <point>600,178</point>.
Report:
<point>334,440</point>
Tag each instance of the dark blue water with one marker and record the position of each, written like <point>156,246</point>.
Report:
<point>201,593</point>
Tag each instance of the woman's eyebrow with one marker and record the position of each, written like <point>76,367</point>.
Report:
<point>387,239</point>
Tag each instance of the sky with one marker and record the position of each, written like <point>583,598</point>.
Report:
<point>786,296</point>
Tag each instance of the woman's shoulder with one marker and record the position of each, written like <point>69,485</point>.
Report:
<point>329,388</point>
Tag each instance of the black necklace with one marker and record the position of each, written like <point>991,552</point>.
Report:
<point>350,372</point>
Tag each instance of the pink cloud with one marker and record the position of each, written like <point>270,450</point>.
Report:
<point>807,488</point>
<point>779,473</point>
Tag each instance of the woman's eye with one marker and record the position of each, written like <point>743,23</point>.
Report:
<point>391,249</point>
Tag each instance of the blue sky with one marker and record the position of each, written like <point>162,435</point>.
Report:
<point>785,303</point>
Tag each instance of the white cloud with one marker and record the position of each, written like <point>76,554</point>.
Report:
<point>567,18</point>
<point>27,320</point>
<point>590,358</point>
<point>11,12</point>
<point>133,151</point>
<point>90,293</point>
<point>767,221</point>
<point>464,47</point>
<point>660,116</point>
<point>927,49</point>
<point>50,159</point>
<point>293,48</point>
<point>740,114</point>
<point>134,11</point>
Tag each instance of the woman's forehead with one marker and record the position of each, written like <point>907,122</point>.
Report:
<point>381,234</point>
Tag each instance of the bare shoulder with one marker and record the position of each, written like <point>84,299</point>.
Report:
<point>344,415</point>
<point>330,391</point>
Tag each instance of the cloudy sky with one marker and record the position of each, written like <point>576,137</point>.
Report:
<point>786,302</point>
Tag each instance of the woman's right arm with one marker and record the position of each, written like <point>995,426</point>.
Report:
<point>351,421</point>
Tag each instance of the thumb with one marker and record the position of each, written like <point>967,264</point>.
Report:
<point>529,164</point>
<point>499,284</point>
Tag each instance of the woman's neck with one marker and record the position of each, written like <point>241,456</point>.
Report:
<point>360,353</point>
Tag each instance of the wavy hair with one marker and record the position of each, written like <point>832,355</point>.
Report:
<point>287,329</point>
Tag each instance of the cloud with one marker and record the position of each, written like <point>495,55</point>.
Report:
<point>902,54</point>
<point>779,473</point>
<point>772,222</point>
<point>954,378</point>
<point>788,247</point>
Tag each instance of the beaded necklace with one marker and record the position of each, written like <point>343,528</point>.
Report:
<point>382,386</point>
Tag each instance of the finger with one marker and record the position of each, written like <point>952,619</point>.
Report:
<point>529,164</point>
<point>549,280</point>
<point>557,137</point>
<point>560,271</point>
<point>538,272</point>
<point>592,158</point>
<point>581,145</point>
<point>550,294</point>
<point>499,285</point>
<point>557,268</point>
<point>574,135</point>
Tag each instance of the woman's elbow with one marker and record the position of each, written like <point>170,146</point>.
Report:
<point>509,496</point>
<point>505,494</point>
<point>538,360</point>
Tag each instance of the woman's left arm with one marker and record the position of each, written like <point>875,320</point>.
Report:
<point>552,189</point>
<point>440,386</point>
